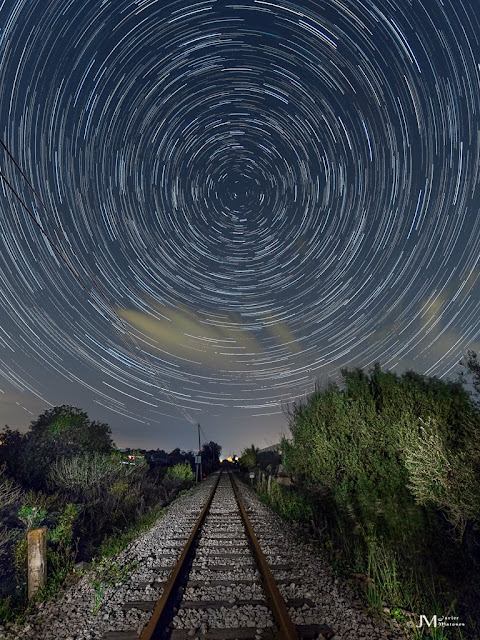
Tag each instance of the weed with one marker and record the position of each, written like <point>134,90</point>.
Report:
<point>398,615</point>
<point>374,597</point>
<point>31,516</point>
<point>99,589</point>
<point>288,503</point>
<point>6,609</point>
<point>107,573</point>
<point>116,542</point>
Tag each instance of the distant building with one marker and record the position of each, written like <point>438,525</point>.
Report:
<point>131,456</point>
<point>275,448</point>
<point>270,457</point>
<point>156,457</point>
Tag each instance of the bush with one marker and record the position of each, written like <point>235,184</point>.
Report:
<point>447,480</point>
<point>178,475</point>
<point>249,458</point>
<point>61,432</point>
<point>393,464</point>
<point>62,545</point>
<point>9,490</point>
<point>289,503</point>
<point>112,494</point>
<point>87,477</point>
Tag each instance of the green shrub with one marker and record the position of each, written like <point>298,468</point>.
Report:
<point>448,480</point>
<point>393,466</point>
<point>249,458</point>
<point>179,474</point>
<point>62,544</point>
<point>31,516</point>
<point>288,503</point>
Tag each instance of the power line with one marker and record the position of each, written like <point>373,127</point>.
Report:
<point>204,434</point>
<point>61,254</point>
<point>51,242</point>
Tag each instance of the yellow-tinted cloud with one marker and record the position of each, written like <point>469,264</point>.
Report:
<point>432,309</point>
<point>220,342</point>
<point>283,336</point>
<point>224,341</point>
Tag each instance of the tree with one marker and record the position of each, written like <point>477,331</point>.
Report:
<point>67,426</point>
<point>176,456</point>
<point>11,449</point>
<point>248,458</point>
<point>61,432</point>
<point>210,457</point>
<point>472,365</point>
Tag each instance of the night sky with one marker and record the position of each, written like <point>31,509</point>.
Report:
<point>243,198</point>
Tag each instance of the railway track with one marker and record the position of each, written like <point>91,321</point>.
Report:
<point>200,598</point>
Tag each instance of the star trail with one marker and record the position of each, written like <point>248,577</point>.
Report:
<point>217,203</point>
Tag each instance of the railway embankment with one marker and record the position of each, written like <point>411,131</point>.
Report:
<point>222,597</point>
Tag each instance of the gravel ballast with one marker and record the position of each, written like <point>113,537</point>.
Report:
<point>77,613</point>
<point>310,577</point>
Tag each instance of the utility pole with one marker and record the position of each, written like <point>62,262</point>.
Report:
<point>198,459</point>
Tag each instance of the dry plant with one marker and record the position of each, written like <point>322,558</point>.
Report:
<point>88,476</point>
<point>9,493</point>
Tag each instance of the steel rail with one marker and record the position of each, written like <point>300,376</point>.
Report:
<point>150,629</point>
<point>277,604</point>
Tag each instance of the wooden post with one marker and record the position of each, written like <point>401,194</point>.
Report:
<point>37,560</point>
<point>269,482</point>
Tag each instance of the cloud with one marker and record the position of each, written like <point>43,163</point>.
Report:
<point>224,341</point>
<point>186,335</point>
<point>282,335</point>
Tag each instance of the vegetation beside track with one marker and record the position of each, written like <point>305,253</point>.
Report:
<point>386,474</point>
<point>66,474</point>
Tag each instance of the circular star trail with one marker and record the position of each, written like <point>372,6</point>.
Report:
<point>250,195</point>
